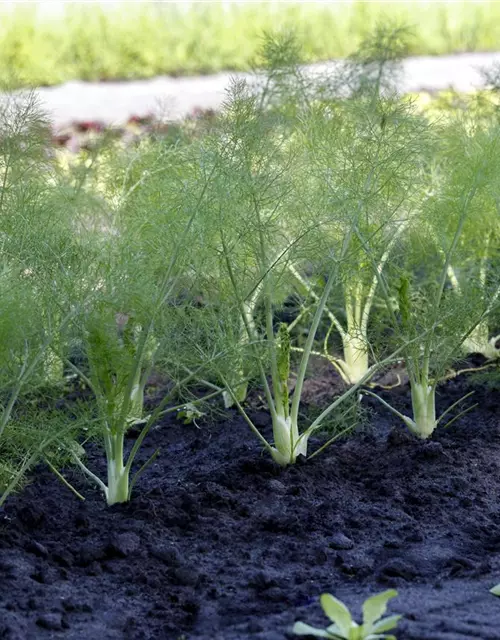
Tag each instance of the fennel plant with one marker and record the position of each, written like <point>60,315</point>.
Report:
<point>478,266</point>
<point>427,306</point>
<point>137,308</point>
<point>37,249</point>
<point>365,162</point>
<point>361,157</point>
<point>262,227</point>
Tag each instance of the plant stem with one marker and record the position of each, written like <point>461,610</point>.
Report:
<point>63,480</point>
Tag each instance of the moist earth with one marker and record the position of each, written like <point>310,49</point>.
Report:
<point>220,543</point>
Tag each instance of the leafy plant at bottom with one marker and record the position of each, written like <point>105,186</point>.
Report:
<point>374,626</point>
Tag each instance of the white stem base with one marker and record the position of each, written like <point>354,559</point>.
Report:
<point>287,444</point>
<point>478,342</point>
<point>118,483</point>
<point>355,364</point>
<point>423,400</point>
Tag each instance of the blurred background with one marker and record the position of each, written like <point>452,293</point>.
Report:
<point>112,61</point>
<point>46,43</point>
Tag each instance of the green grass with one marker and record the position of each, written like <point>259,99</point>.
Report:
<point>141,40</point>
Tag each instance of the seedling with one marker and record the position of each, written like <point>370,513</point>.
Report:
<point>374,626</point>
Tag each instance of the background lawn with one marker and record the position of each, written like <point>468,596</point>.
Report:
<point>45,45</point>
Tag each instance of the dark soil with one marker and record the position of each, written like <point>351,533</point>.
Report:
<point>219,543</point>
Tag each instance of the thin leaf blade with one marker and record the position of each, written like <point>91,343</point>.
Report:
<point>386,624</point>
<point>302,629</point>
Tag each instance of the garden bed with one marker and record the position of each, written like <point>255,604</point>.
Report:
<point>219,542</point>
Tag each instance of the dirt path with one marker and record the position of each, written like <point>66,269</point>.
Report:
<point>115,102</point>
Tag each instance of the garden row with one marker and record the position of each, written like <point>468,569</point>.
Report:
<point>296,224</point>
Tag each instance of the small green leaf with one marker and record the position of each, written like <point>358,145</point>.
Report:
<point>189,413</point>
<point>375,607</point>
<point>495,590</point>
<point>386,624</point>
<point>301,629</point>
<point>334,632</point>
<point>337,612</point>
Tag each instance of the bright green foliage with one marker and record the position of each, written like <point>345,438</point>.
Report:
<point>297,224</point>
<point>140,301</point>
<point>361,173</point>
<point>477,263</point>
<point>291,189</point>
<point>435,320</point>
<point>365,179</point>
<point>38,249</point>
<point>374,625</point>
<point>479,238</point>
<point>248,198</point>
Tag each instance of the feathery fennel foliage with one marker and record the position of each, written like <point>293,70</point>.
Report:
<point>364,165</point>
<point>436,319</point>
<point>361,163</point>
<point>37,248</point>
<point>267,224</point>
<point>139,301</point>
<point>331,194</point>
